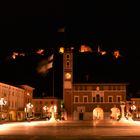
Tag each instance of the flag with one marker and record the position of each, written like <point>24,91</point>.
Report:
<point>50,62</point>
<point>50,58</point>
<point>49,65</point>
<point>45,65</point>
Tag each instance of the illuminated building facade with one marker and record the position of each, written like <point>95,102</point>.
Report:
<point>84,101</point>
<point>43,107</point>
<point>16,99</point>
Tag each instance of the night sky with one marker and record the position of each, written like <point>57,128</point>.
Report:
<point>112,25</point>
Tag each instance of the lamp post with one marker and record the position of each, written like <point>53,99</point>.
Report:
<point>2,103</point>
<point>133,108</point>
<point>45,108</point>
<point>29,110</point>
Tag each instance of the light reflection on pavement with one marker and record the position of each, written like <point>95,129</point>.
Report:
<point>70,130</point>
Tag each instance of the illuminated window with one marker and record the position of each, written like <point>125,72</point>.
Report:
<point>76,99</point>
<point>85,99</point>
<point>110,99</point>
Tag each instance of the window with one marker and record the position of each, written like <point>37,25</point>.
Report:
<point>76,87</point>
<point>114,87</point>
<point>118,98</point>
<point>85,99</point>
<point>93,87</point>
<point>109,87</point>
<point>101,87</point>
<point>118,88</point>
<point>102,99</point>
<point>85,87</point>
<point>68,56</point>
<point>76,99</point>
<point>36,102</point>
<point>81,87</point>
<point>110,99</point>
<point>68,63</point>
<point>97,98</point>
<point>93,99</point>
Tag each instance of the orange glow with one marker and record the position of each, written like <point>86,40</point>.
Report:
<point>85,48</point>
<point>116,53</point>
<point>99,49</point>
<point>103,52</point>
<point>22,54</point>
<point>14,55</point>
<point>61,50</point>
<point>61,30</point>
<point>40,51</point>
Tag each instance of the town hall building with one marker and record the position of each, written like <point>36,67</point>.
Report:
<point>90,101</point>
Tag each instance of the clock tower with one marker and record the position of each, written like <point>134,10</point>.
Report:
<point>68,80</point>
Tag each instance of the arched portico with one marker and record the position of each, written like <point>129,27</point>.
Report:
<point>98,113</point>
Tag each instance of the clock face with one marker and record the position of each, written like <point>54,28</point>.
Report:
<point>67,75</point>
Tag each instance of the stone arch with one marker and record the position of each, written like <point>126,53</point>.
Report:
<point>98,113</point>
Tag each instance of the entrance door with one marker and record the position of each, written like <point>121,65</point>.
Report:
<point>81,116</point>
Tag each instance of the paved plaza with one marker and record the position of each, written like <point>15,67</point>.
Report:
<point>83,130</point>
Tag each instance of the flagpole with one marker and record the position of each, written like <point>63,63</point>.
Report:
<point>53,74</point>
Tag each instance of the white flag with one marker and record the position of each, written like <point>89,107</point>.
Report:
<point>50,62</point>
<point>49,65</point>
<point>50,58</point>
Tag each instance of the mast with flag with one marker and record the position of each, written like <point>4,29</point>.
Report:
<point>49,66</point>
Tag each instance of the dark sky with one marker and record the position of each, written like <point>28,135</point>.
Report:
<point>112,25</point>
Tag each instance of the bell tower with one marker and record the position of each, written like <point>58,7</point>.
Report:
<point>68,81</point>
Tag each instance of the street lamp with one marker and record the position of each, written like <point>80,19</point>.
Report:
<point>29,109</point>
<point>2,103</point>
<point>45,108</point>
<point>133,108</point>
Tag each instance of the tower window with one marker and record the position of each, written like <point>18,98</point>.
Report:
<point>68,56</point>
<point>68,63</point>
